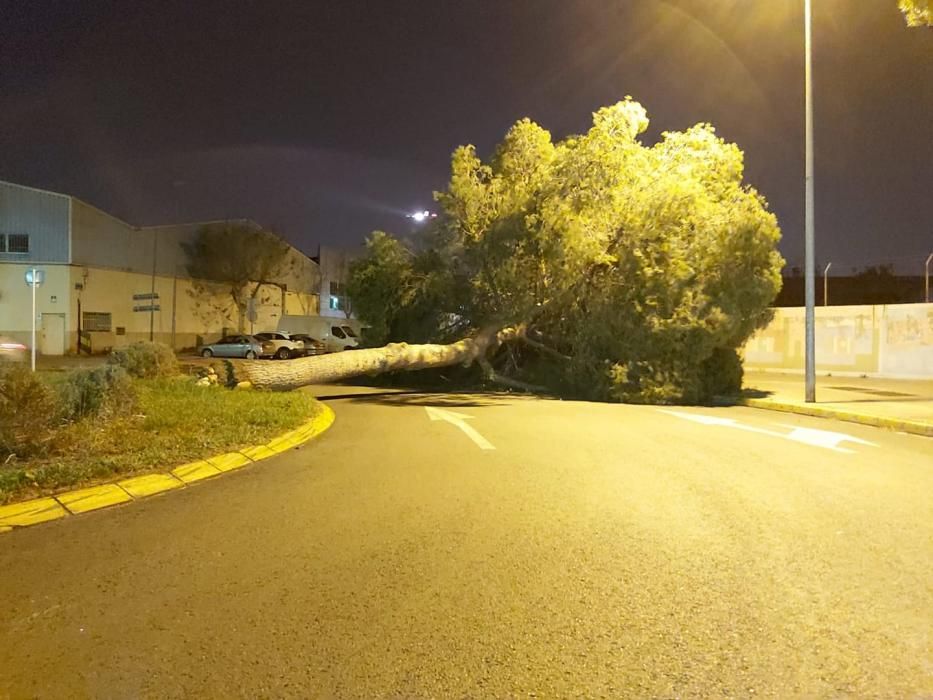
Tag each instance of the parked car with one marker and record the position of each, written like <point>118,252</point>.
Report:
<point>311,345</point>
<point>286,345</point>
<point>337,334</point>
<point>248,346</point>
<point>12,350</point>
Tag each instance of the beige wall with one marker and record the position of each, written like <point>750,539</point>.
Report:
<point>200,310</point>
<point>886,341</point>
<point>16,299</point>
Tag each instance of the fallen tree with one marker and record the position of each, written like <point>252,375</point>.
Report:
<point>394,357</point>
<point>597,266</point>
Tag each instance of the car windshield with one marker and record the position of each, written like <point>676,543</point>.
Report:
<point>337,332</point>
<point>348,331</point>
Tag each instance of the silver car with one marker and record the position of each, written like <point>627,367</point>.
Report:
<point>248,346</point>
<point>12,350</point>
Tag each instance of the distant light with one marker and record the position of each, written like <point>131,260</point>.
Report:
<point>420,216</point>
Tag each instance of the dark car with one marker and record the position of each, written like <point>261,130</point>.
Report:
<point>312,346</point>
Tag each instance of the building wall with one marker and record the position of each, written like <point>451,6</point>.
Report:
<point>100,262</point>
<point>190,311</point>
<point>16,299</point>
<point>43,216</point>
<point>894,340</point>
<point>334,265</point>
<point>102,240</point>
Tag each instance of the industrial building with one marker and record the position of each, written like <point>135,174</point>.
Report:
<point>107,283</point>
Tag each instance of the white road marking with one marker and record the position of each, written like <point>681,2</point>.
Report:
<point>459,420</point>
<point>826,439</point>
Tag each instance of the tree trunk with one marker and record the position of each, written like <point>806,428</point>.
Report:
<point>324,369</point>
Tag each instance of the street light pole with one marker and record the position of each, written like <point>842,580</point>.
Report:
<point>926,279</point>
<point>809,292</point>
<point>826,284</point>
<point>155,248</point>
<point>35,279</point>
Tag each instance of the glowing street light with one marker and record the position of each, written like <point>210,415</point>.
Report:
<point>422,216</point>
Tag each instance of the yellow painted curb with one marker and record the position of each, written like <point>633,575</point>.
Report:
<point>40,510</point>
<point>904,426</point>
<point>94,498</point>
<point>150,484</point>
<point>258,452</point>
<point>37,510</point>
<point>195,471</point>
<point>230,461</point>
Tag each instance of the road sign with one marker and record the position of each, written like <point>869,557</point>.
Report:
<point>34,277</point>
<point>147,307</point>
<point>147,295</point>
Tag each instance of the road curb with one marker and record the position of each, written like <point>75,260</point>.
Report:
<point>904,426</point>
<point>134,488</point>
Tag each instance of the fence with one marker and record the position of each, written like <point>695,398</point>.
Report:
<point>894,340</point>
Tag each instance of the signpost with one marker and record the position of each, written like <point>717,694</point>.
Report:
<point>34,279</point>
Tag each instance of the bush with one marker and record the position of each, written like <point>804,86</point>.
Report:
<point>28,412</point>
<point>146,360</point>
<point>106,390</point>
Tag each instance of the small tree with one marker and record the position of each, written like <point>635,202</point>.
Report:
<point>242,258</point>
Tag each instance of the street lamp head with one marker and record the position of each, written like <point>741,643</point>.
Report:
<point>421,216</point>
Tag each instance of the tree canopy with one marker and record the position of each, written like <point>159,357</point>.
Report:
<point>628,271</point>
<point>240,256</point>
<point>917,12</point>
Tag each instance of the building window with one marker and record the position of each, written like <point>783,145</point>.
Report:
<point>336,303</point>
<point>337,290</point>
<point>93,321</point>
<point>14,243</point>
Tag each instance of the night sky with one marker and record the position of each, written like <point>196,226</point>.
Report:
<point>329,119</point>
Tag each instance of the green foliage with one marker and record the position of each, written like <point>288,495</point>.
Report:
<point>179,423</point>
<point>918,13</point>
<point>145,360</point>
<point>28,412</point>
<point>640,263</point>
<point>241,257</point>
<point>106,391</point>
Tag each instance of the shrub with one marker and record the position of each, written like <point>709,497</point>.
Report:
<point>146,360</point>
<point>28,412</point>
<point>105,390</point>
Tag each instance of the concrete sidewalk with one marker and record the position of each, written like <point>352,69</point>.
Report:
<point>898,404</point>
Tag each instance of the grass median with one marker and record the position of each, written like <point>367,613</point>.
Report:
<point>172,422</point>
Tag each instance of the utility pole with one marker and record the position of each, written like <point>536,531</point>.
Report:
<point>155,249</point>
<point>809,292</point>
<point>926,279</point>
<point>826,284</point>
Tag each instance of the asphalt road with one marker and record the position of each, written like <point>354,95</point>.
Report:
<point>597,550</point>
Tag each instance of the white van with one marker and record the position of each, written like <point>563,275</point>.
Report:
<point>336,333</point>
